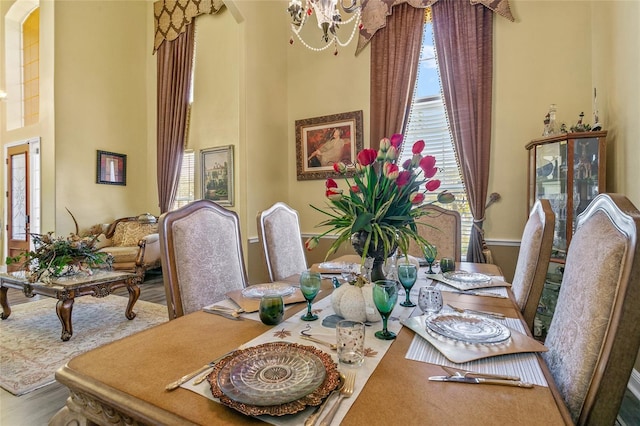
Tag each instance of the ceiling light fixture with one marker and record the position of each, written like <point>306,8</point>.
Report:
<point>329,20</point>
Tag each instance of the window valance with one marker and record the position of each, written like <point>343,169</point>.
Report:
<point>375,12</point>
<point>172,16</point>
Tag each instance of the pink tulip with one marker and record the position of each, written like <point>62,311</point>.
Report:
<point>340,167</point>
<point>407,164</point>
<point>418,147</point>
<point>416,197</point>
<point>311,243</point>
<point>334,194</point>
<point>428,166</point>
<point>432,185</point>
<point>385,143</point>
<point>367,156</point>
<point>355,189</point>
<point>403,178</point>
<point>396,140</point>
<point>392,153</point>
<point>330,183</point>
<point>391,171</point>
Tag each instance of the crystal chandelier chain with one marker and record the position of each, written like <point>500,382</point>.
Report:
<point>329,19</point>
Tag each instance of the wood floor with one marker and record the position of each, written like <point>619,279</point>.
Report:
<point>37,407</point>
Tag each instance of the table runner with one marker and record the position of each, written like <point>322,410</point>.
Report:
<point>289,331</point>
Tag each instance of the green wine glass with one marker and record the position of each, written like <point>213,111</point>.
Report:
<point>310,286</point>
<point>407,274</point>
<point>430,253</point>
<point>385,296</point>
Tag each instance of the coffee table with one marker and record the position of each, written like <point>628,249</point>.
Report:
<point>100,283</point>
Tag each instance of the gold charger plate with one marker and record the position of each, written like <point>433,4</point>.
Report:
<point>262,361</point>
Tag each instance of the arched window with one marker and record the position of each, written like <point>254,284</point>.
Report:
<point>22,68</point>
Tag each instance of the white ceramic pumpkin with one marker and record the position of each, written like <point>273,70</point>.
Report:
<point>355,302</point>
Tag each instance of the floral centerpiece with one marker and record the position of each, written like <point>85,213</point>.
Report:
<point>378,213</point>
<point>54,257</point>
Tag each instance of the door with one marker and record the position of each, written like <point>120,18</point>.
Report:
<point>17,202</point>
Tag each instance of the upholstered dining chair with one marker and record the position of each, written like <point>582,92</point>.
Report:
<point>279,233</point>
<point>442,228</point>
<point>533,259</point>
<point>201,256</point>
<point>594,337</point>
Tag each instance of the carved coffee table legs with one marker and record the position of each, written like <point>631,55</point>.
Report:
<point>6,310</point>
<point>134,293</point>
<point>63,309</point>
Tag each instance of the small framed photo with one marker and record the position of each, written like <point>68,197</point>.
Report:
<point>323,141</point>
<point>217,174</point>
<point>111,168</point>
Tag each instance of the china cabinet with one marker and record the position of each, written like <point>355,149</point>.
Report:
<point>568,169</point>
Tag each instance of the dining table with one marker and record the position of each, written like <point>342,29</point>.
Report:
<point>124,382</point>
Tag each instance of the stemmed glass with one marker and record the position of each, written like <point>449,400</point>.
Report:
<point>430,253</point>
<point>407,274</point>
<point>310,286</point>
<point>385,296</point>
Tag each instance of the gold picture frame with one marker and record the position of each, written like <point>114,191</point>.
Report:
<point>323,141</point>
<point>216,165</point>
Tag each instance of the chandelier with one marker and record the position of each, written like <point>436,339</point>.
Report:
<point>329,20</point>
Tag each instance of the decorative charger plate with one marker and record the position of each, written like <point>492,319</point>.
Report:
<point>274,378</point>
<point>468,328</point>
<point>277,289</point>
<point>466,277</point>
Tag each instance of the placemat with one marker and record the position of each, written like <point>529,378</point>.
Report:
<point>253,305</point>
<point>523,364</point>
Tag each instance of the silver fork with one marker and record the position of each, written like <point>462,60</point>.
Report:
<point>345,392</point>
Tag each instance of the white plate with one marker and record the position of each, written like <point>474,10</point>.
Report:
<point>273,289</point>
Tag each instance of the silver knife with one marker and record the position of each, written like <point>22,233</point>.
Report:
<point>480,380</point>
<point>175,385</point>
<point>222,313</point>
<point>478,293</point>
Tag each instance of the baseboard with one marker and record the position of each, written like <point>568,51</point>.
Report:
<point>634,383</point>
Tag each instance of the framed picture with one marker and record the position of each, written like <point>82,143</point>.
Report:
<point>323,141</point>
<point>111,168</point>
<point>217,174</point>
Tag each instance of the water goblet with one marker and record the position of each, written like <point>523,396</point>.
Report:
<point>407,274</point>
<point>430,253</point>
<point>385,296</point>
<point>310,286</point>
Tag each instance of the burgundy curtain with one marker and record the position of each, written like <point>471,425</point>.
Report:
<point>395,51</point>
<point>463,36</point>
<point>175,61</point>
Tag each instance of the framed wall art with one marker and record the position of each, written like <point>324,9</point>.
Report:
<point>111,168</point>
<point>217,174</point>
<point>323,141</point>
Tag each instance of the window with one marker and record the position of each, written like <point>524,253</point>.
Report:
<point>30,68</point>
<point>428,122</point>
<point>186,187</point>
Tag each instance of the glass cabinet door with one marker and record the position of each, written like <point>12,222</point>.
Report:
<point>585,179</point>
<point>551,183</point>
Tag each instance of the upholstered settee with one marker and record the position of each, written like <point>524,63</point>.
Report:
<point>133,243</point>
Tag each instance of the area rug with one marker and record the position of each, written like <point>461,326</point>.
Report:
<point>30,347</point>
